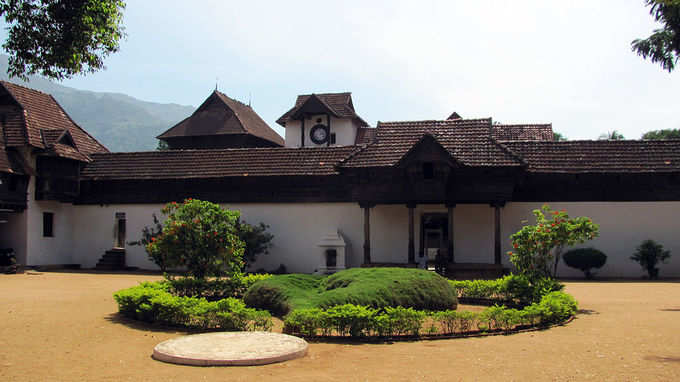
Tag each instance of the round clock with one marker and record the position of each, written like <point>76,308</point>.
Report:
<point>318,134</point>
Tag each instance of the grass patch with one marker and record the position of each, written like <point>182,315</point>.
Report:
<point>372,287</point>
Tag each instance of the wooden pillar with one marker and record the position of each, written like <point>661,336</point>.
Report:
<point>421,246</point>
<point>497,232</point>
<point>450,237</point>
<point>302,131</point>
<point>328,130</point>
<point>411,245</point>
<point>367,233</point>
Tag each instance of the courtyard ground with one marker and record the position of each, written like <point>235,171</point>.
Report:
<point>64,327</point>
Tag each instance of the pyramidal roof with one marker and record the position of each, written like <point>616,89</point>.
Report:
<point>338,104</point>
<point>221,115</point>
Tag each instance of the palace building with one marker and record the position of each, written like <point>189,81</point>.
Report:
<point>335,192</point>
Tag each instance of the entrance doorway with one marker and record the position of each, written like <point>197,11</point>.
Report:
<point>434,237</point>
<point>119,239</point>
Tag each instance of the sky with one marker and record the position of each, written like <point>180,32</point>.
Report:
<point>568,63</point>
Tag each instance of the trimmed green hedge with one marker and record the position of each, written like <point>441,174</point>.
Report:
<point>213,289</point>
<point>515,289</point>
<point>153,302</point>
<point>358,321</point>
<point>372,287</point>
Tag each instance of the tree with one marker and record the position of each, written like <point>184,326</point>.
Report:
<point>61,38</point>
<point>612,136</point>
<point>662,46</point>
<point>538,247</point>
<point>648,254</point>
<point>162,145</point>
<point>559,137</point>
<point>662,134</point>
<point>149,234</point>
<point>255,239</point>
<point>200,237</point>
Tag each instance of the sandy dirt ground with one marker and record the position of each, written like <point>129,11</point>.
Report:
<point>64,327</point>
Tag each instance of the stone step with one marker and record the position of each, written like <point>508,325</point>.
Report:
<point>112,260</point>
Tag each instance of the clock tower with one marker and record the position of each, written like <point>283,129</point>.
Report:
<point>319,120</point>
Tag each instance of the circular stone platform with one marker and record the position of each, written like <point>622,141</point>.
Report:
<point>230,349</point>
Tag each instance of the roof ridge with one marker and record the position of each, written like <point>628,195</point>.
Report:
<point>78,126</point>
<point>522,124</point>
<point>507,150</point>
<point>437,121</point>
<point>235,149</point>
<point>24,87</point>
<point>324,94</point>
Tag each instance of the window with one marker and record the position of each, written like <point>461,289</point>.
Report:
<point>428,170</point>
<point>332,138</point>
<point>48,224</point>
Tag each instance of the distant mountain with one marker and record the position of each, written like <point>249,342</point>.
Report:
<point>120,122</point>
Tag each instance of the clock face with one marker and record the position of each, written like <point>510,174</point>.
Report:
<point>318,134</point>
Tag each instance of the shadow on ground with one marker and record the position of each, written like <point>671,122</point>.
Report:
<point>119,319</point>
<point>662,359</point>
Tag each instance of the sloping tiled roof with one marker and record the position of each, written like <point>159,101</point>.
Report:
<point>467,140</point>
<point>599,156</point>
<point>338,103</point>
<point>543,132</point>
<point>228,117</point>
<point>183,164</point>
<point>41,112</point>
<point>15,133</point>
<point>365,135</point>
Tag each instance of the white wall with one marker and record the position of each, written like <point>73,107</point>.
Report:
<point>345,131</point>
<point>623,225</point>
<point>298,227</point>
<point>48,250</point>
<point>95,228</point>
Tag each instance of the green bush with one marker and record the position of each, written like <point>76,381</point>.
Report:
<point>387,287</point>
<point>400,321</point>
<point>648,254</point>
<point>585,259</point>
<point>516,289</point>
<point>373,287</point>
<point>358,321</point>
<point>153,302</point>
<point>279,294</point>
<point>555,307</point>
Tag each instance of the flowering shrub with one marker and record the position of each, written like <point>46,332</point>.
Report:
<point>148,234</point>
<point>200,237</point>
<point>537,247</point>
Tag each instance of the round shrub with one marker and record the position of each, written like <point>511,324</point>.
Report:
<point>279,293</point>
<point>585,259</point>
<point>370,287</point>
<point>388,287</point>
